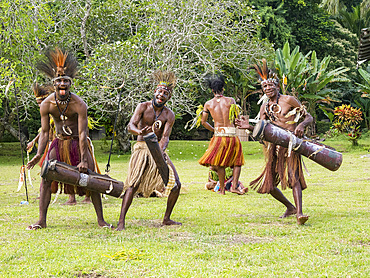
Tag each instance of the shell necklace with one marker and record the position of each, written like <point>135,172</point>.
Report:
<point>67,130</point>
<point>157,123</point>
<point>270,110</point>
<point>218,97</point>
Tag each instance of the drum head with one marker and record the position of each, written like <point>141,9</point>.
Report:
<point>258,129</point>
<point>150,136</point>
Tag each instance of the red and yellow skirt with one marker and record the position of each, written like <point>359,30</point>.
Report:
<point>224,151</point>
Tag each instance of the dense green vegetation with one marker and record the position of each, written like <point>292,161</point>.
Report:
<point>117,40</point>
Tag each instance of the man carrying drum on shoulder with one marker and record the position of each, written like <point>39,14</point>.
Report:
<point>282,165</point>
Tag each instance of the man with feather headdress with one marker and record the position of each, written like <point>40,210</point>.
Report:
<point>143,175</point>
<point>225,149</point>
<point>71,146</point>
<point>41,93</point>
<point>281,166</point>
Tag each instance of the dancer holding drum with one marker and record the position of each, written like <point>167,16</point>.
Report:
<point>144,176</point>
<point>282,165</point>
<point>69,112</point>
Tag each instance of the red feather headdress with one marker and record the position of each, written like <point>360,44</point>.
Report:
<point>266,75</point>
<point>58,64</point>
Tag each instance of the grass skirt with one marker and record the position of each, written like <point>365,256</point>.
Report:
<point>143,172</point>
<point>279,168</point>
<point>223,151</point>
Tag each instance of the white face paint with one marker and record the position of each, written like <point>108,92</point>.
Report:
<point>271,89</point>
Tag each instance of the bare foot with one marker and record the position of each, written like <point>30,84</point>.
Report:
<point>220,192</point>
<point>35,227</point>
<point>301,219</point>
<point>245,190</point>
<point>69,203</point>
<point>169,222</point>
<point>104,224</point>
<point>237,191</point>
<point>87,200</point>
<point>120,227</point>
<point>289,212</point>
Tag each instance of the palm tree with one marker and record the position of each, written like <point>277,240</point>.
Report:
<point>353,20</point>
<point>332,6</point>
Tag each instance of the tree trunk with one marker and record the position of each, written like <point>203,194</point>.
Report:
<point>14,132</point>
<point>311,129</point>
<point>354,143</point>
<point>122,135</point>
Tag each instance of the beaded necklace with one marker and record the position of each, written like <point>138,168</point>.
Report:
<point>67,130</point>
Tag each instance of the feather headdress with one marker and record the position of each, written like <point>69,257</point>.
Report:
<point>42,92</point>
<point>165,80</point>
<point>216,82</point>
<point>58,64</point>
<point>266,75</point>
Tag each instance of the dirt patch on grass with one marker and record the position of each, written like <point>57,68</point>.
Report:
<point>91,275</point>
<point>362,243</point>
<point>218,239</point>
<point>145,223</point>
<point>240,239</point>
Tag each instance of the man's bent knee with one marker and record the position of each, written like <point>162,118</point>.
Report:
<point>176,187</point>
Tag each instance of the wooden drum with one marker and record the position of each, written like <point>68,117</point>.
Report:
<point>320,153</point>
<point>53,170</point>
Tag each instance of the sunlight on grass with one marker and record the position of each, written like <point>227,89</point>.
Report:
<point>221,236</point>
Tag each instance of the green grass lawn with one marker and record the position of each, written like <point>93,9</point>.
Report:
<point>221,236</point>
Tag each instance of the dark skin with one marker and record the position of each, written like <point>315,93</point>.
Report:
<point>141,124</point>
<point>71,197</point>
<point>219,107</point>
<point>287,103</point>
<point>77,121</point>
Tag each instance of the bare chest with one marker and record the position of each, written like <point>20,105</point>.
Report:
<point>65,113</point>
<point>279,114</point>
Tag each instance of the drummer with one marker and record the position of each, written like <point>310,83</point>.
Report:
<point>69,112</point>
<point>281,166</point>
<point>143,175</point>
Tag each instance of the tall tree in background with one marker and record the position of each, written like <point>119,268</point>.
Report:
<point>22,35</point>
<point>302,23</point>
<point>118,41</point>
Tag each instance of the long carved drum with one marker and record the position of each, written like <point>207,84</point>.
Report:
<point>151,141</point>
<point>320,153</point>
<point>53,170</point>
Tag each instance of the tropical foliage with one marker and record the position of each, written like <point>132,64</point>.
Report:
<point>307,77</point>
<point>347,121</point>
<point>122,42</point>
